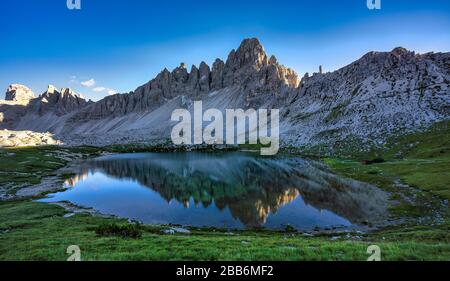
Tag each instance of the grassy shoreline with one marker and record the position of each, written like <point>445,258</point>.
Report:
<point>39,231</point>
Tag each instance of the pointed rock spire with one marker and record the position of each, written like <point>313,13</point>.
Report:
<point>217,74</point>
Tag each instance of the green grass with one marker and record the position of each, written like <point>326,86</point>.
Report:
<point>421,160</point>
<point>38,231</point>
<point>27,165</point>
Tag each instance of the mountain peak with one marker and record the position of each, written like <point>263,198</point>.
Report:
<point>51,89</point>
<point>63,92</point>
<point>399,51</point>
<point>60,102</point>
<point>250,52</point>
<point>247,67</point>
<point>251,43</point>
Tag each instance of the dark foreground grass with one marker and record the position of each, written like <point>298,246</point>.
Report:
<point>38,231</point>
<point>128,230</point>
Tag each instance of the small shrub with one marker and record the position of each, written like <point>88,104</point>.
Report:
<point>374,161</point>
<point>289,228</point>
<point>125,231</point>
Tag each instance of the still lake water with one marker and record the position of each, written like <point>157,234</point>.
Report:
<point>230,190</point>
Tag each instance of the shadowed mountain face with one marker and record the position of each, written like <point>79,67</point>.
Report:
<point>252,188</point>
<point>247,69</point>
<point>380,95</point>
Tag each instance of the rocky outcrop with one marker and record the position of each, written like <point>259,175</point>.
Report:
<point>19,93</point>
<point>260,79</point>
<point>250,69</point>
<point>217,74</point>
<point>25,138</point>
<point>204,78</point>
<point>60,102</point>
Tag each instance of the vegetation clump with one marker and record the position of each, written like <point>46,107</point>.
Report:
<point>290,229</point>
<point>376,160</point>
<point>125,231</point>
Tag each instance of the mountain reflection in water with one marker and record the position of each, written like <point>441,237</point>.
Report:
<point>225,190</point>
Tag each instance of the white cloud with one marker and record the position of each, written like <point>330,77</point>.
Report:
<point>89,83</point>
<point>73,79</point>
<point>99,89</point>
<point>111,92</point>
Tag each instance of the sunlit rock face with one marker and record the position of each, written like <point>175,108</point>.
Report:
<point>26,138</point>
<point>18,93</point>
<point>251,188</point>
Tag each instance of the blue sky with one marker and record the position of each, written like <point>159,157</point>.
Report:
<point>121,44</point>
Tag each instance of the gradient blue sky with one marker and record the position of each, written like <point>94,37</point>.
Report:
<point>122,44</point>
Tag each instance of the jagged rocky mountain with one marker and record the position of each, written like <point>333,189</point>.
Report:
<point>46,113</point>
<point>381,94</point>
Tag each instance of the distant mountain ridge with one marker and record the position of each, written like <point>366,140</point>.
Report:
<point>379,95</point>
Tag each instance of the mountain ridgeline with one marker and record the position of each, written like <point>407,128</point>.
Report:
<point>380,95</point>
